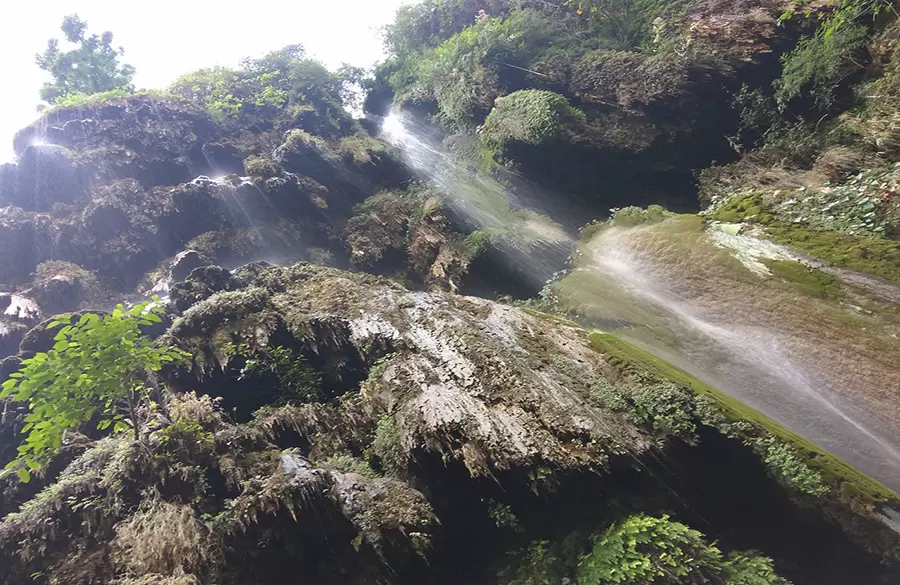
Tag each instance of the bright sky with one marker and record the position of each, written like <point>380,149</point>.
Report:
<point>165,38</point>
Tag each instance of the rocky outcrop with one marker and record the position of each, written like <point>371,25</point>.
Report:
<point>117,187</point>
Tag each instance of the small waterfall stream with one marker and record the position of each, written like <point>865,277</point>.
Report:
<point>826,370</point>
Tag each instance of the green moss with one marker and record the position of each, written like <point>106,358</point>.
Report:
<point>876,256</point>
<point>871,255</point>
<point>743,209</point>
<point>530,116</point>
<point>809,281</point>
<point>632,216</point>
<point>627,357</point>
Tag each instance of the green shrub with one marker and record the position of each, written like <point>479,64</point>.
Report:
<point>386,446</point>
<point>638,550</point>
<point>788,468</point>
<point>666,405</point>
<point>531,116</point>
<point>294,378</point>
<point>818,65</point>
<point>97,370</point>
<point>282,85</point>
<point>642,549</point>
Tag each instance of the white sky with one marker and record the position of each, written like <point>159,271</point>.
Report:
<point>165,38</point>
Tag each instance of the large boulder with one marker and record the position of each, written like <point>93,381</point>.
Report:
<point>186,262</point>
<point>154,139</point>
<point>63,286</point>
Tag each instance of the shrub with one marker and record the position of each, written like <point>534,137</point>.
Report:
<point>282,84</point>
<point>638,550</point>
<point>98,369</point>
<point>531,116</point>
<point>788,468</point>
<point>667,406</point>
<point>818,65</point>
<point>294,378</point>
<point>386,446</point>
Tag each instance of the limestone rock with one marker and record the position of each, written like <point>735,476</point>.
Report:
<point>186,262</point>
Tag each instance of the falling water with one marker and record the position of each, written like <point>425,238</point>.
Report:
<point>533,242</point>
<point>710,310</point>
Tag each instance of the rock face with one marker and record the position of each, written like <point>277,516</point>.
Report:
<point>120,186</point>
<point>395,434</point>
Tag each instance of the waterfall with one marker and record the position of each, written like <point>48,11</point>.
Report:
<point>819,368</point>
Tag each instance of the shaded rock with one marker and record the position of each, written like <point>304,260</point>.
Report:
<point>59,294</point>
<point>63,286</point>
<point>11,334</point>
<point>26,240</point>
<point>8,365</point>
<point>200,284</point>
<point>17,315</point>
<point>223,158</point>
<point>46,175</point>
<point>155,140</point>
<point>185,262</point>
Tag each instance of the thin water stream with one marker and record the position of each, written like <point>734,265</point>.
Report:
<point>705,302</point>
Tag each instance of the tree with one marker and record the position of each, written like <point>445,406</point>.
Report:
<point>98,371</point>
<point>91,67</point>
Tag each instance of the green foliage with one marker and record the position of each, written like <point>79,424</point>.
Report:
<point>428,23</point>
<point>545,563</point>
<point>628,21</point>
<point>863,253</point>
<point>98,370</point>
<point>386,446</point>
<point>77,100</point>
<point>638,550</point>
<point>531,116</point>
<point>818,65</point>
<point>609,395</point>
<point>743,421</point>
<point>642,549</point>
<point>503,517</point>
<point>809,281</point>
<point>632,215</point>
<point>667,406</point>
<point>786,466</point>
<point>283,87</point>
<point>294,378</point>
<point>91,67</point>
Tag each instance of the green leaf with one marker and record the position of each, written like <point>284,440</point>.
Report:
<point>24,475</point>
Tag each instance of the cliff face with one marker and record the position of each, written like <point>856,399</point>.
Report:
<point>434,434</point>
<point>348,417</point>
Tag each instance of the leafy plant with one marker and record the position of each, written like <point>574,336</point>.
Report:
<point>638,550</point>
<point>819,64</point>
<point>99,370</point>
<point>91,67</point>
<point>666,405</point>
<point>788,468</point>
<point>503,517</point>
<point>386,446</point>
